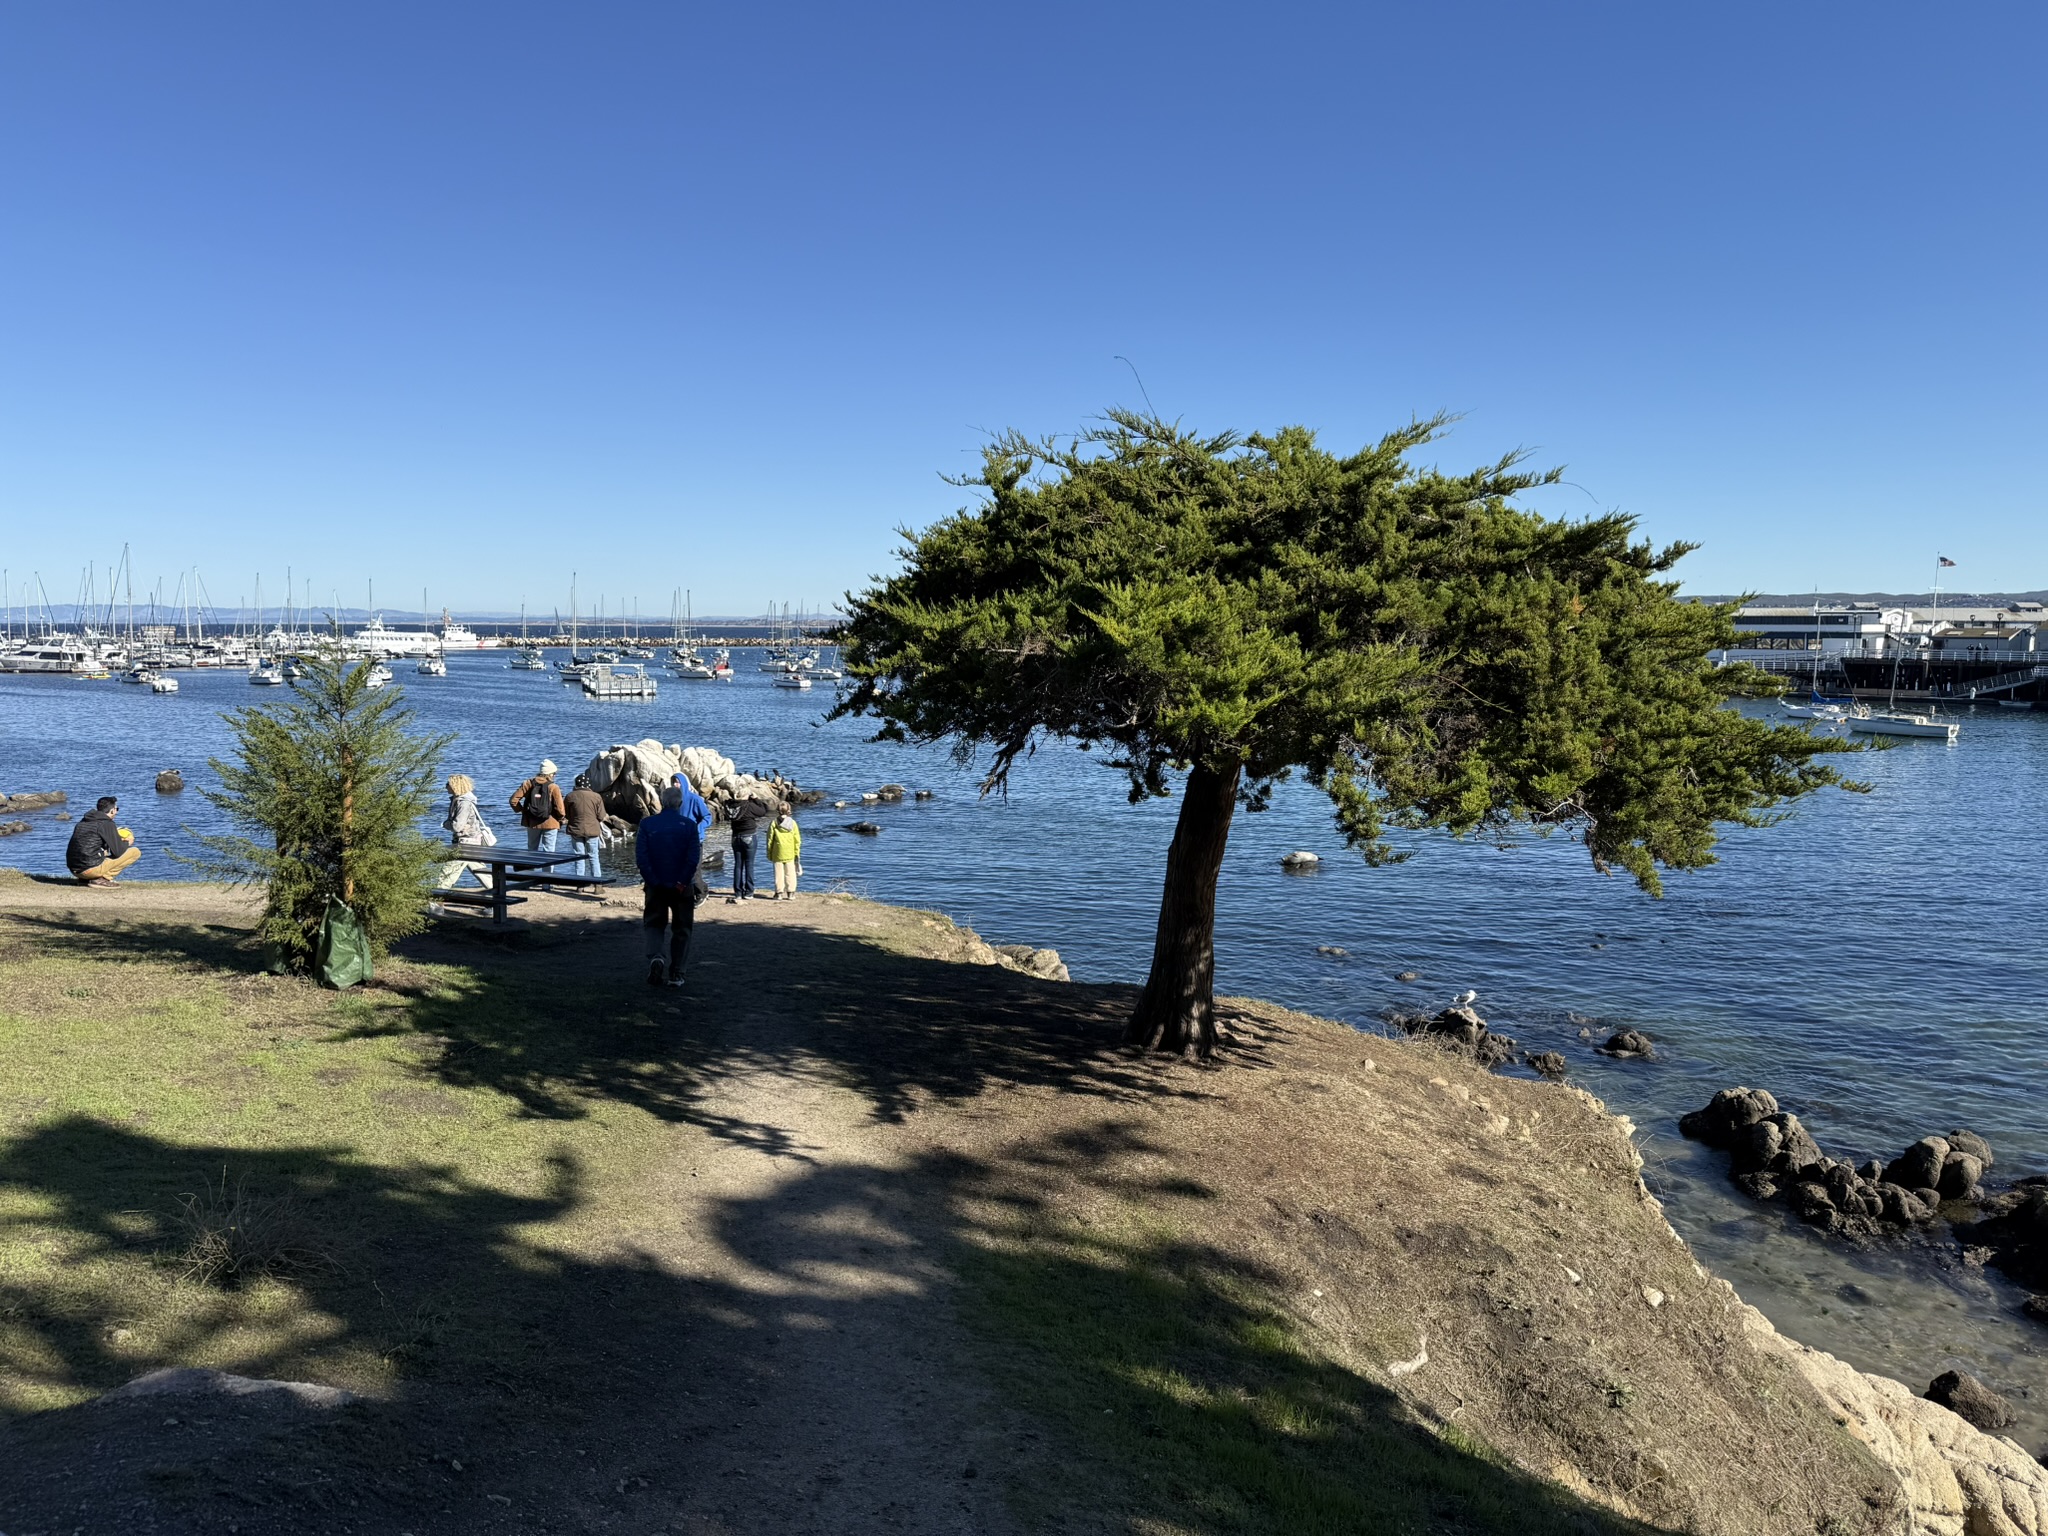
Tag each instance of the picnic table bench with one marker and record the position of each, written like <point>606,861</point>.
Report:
<point>503,862</point>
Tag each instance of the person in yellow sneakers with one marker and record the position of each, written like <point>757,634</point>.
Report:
<point>785,852</point>
<point>99,850</point>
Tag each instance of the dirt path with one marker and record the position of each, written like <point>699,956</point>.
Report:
<point>765,1339</point>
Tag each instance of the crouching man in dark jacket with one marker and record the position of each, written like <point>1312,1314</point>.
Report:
<point>99,850</point>
<point>668,848</point>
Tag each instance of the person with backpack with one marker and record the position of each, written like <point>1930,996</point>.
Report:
<point>669,845</point>
<point>786,853</point>
<point>541,809</point>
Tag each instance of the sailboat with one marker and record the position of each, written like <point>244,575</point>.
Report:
<point>528,657</point>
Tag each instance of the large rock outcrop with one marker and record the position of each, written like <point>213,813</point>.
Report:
<point>630,778</point>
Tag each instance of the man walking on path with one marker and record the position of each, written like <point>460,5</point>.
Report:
<point>539,804</point>
<point>668,848</point>
<point>99,850</point>
<point>746,817</point>
<point>584,815</point>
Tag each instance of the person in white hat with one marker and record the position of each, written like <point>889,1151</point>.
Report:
<point>539,804</point>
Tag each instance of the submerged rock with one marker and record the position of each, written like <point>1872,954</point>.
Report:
<point>1627,1043</point>
<point>10,828</point>
<point>170,782</point>
<point>1730,1111</point>
<point>1300,860</point>
<point>1334,951</point>
<point>1407,975</point>
<point>34,801</point>
<point>1549,1063</point>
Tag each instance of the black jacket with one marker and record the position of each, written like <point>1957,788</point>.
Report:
<point>93,841</point>
<point>746,817</point>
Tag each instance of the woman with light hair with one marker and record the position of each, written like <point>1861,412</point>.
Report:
<point>465,823</point>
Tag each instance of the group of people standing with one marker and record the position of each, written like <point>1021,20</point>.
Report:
<point>668,849</point>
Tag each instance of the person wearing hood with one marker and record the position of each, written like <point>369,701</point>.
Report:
<point>539,804</point>
<point>99,850</point>
<point>465,823</point>
<point>584,816</point>
<point>786,853</point>
<point>667,849</point>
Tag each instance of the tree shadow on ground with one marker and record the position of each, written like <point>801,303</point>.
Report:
<point>198,946</point>
<point>807,1382</point>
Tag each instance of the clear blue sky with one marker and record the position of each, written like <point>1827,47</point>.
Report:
<point>688,296</point>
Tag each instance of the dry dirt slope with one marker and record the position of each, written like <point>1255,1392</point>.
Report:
<point>916,1247</point>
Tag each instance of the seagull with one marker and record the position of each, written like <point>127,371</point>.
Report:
<point>1465,999</point>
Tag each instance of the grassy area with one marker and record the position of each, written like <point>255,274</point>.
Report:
<point>165,1099</point>
<point>1153,1353</point>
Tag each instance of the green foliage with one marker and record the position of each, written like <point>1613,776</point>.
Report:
<point>335,783</point>
<point>1430,654</point>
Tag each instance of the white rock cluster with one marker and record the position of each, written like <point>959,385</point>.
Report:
<point>632,777</point>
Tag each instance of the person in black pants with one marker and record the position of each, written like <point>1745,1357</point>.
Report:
<point>668,847</point>
<point>746,818</point>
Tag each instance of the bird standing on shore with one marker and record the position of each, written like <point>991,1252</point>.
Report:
<point>1465,999</point>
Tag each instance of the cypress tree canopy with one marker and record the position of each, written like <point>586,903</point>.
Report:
<point>1425,651</point>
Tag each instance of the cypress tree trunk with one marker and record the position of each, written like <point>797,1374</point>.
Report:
<point>1178,1006</point>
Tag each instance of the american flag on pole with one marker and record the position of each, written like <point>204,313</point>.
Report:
<point>1944,559</point>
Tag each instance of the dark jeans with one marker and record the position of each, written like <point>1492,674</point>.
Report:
<point>668,914</point>
<point>743,864</point>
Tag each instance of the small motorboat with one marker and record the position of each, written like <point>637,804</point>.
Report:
<point>264,675</point>
<point>432,666</point>
<point>792,680</point>
<point>695,669</point>
<point>138,674</point>
<point>529,659</point>
<point>380,675</point>
<point>1926,726</point>
<point>293,671</point>
<point>618,680</point>
<point>163,685</point>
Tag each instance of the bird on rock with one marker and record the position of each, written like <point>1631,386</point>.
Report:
<point>1465,999</point>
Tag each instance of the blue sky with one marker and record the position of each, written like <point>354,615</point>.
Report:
<point>468,297</point>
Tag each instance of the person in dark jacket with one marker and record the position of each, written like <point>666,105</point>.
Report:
<point>100,850</point>
<point>583,815</point>
<point>746,817</point>
<point>668,848</point>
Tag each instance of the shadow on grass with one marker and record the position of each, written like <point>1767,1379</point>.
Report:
<point>197,946</point>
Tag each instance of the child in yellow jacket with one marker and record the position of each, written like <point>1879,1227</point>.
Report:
<point>785,852</point>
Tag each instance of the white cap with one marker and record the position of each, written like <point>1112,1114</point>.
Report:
<point>547,765</point>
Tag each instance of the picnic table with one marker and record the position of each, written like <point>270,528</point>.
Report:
<point>503,862</point>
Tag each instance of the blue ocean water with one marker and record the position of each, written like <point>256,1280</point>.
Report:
<point>1877,961</point>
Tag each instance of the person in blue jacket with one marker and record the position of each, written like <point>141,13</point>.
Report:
<point>668,848</point>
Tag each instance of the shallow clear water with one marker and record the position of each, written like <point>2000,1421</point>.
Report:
<point>1878,961</point>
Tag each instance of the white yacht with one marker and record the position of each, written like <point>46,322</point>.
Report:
<point>54,653</point>
<point>792,680</point>
<point>138,674</point>
<point>618,680</point>
<point>266,675</point>
<point>379,675</point>
<point>1926,726</point>
<point>432,666</point>
<point>529,659</point>
<point>163,685</point>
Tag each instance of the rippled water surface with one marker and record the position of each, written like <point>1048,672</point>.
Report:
<point>1877,961</point>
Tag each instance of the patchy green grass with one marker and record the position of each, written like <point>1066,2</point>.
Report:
<point>203,1164</point>
<point>1168,1368</point>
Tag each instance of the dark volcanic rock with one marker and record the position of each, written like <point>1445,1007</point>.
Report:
<point>2017,1234</point>
<point>1966,1396</point>
<point>1732,1110</point>
<point>1970,1144</point>
<point>31,802</point>
<point>1777,1144</point>
<point>1459,1026</point>
<point>1627,1043</point>
<point>1919,1166</point>
<point>1810,1199</point>
<point>1959,1175</point>
<point>170,782</point>
<point>1549,1063</point>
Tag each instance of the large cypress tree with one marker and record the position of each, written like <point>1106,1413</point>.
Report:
<point>1231,610</point>
<point>334,782</point>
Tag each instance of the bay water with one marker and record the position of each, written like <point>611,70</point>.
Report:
<point>1879,962</point>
